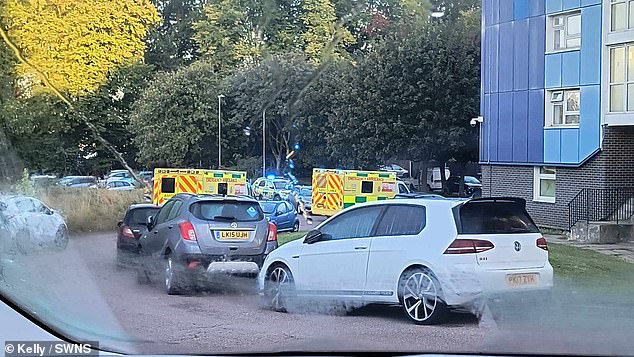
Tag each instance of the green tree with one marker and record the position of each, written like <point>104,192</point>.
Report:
<point>170,44</point>
<point>175,120</point>
<point>277,86</point>
<point>235,33</point>
<point>76,43</point>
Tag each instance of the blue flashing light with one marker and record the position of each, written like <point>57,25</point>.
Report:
<point>270,176</point>
<point>296,147</point>
<point>292,165</point>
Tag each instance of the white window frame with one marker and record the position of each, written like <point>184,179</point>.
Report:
<point>629,6</point>
<point>551,27</point>
<point>537,177</point>
<point>552,101</point>
<point>626,82</point>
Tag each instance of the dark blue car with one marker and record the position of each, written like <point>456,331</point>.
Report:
<point>282,214</point>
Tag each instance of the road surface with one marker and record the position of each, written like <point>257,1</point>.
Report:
<point>81,291</point>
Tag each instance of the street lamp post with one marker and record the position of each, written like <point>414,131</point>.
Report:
<point>264,143</point>
<point>220,131</point>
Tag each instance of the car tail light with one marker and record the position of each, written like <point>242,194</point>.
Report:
<point>127,232</point>
<point>541,243</point>
<point>272,235</point>
<point>187,230</point>
<point>469,246</point>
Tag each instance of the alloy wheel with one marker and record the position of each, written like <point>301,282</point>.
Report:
<point>279,285</point>
<point>420,296</point>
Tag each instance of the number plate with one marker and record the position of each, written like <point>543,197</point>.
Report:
<point>232,235</point>
<point>522,279</point>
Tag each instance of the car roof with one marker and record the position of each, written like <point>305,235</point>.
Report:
<point>143,205</point>
<point>428,202</point>
<point>214,198</point>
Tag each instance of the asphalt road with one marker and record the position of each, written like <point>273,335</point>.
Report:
<point>81,290</point>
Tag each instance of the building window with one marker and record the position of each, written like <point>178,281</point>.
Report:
<point>564,31</point>
<point>563,108</point>
<point>544,184</point>
<point>621,15</point>
<point>622,78</point>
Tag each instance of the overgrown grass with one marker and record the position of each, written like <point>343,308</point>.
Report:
<point>284,238</point>
<point>592,270</point>
<point>90,210</point>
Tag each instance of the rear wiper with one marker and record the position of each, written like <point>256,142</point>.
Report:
<point>223,218</point>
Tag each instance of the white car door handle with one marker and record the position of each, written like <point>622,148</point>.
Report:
<point>360,248</point>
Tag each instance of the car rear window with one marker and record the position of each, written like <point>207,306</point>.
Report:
<point>268,207</point>
<point>494,218</point>
<point>227,211</point>
<point>138,216</point>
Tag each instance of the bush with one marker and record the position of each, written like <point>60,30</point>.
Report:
<point>90,210</point>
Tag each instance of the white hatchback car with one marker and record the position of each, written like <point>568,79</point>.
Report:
<point>428,255</point>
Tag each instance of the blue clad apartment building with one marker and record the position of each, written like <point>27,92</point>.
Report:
<point>557,101</point>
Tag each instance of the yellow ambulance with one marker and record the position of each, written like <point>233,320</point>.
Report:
<point>169,182</point>
<point>334,190</point>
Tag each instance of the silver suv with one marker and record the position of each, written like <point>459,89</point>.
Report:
<point>196,237</point>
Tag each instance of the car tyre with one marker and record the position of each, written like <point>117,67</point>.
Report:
<point>296,226</point>
<point>173,278</point>
<point>279,288</point>
<point>260,197</point>
<point>421,297</point>
<point>277,198</point>
<point>61,238</point>
<point>23,241</point>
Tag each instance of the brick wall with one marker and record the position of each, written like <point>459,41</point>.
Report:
<point>613,167</point>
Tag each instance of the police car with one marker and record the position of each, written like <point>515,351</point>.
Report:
<point>267,188</point>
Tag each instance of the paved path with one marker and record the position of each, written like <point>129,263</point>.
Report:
<point>623,251</point>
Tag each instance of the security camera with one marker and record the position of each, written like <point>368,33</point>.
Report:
<point>475,121</point>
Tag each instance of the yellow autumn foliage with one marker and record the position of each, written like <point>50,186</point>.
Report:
<point>76,42</point>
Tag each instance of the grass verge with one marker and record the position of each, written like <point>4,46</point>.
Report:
<point>284,238</point>
<point>589,269</point>
<point>90,210</point>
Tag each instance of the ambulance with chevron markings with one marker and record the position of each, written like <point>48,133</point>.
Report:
<point>169,182</point>
<point>334,189</point>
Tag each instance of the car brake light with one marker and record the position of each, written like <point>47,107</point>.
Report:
<point>469,246</point>
<point>127,232</point>
<point>187,230</point>
<point>541,243</point>
<point>272,235</point>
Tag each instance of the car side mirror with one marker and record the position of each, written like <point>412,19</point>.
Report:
<point>279,213</point>
<point>119,224</point>
<point>313,236</point>
<point>150,222</point>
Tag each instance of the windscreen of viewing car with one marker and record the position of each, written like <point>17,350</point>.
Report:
<point>495,218</point>
<point>227,211</point>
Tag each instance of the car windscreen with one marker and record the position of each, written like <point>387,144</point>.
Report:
<point>227,211</point>
<point>494,218</point>
<point>268,207</point>
<point>138,216</point>
<point>280,185</point>
<point>472,180</point>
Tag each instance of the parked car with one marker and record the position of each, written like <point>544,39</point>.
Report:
<point>134,223</point>
<point>78,182</point>
<point>272,188</point>
<point>282,214</point>
<point>120,185</point>
<point>146,176</point>
<point>400,172</point>
<point>31,224</point>
<point>428,255</point>
<point>120,175</point>
<point>471,185</point>
<point>305,195</point>
<point>193,238</point>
